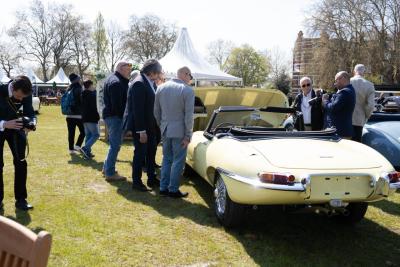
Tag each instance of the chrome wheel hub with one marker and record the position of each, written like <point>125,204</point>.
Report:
<point>220,196</point>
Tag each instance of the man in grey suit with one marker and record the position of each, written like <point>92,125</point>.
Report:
<point>173,110</point>
<point>365,95</point>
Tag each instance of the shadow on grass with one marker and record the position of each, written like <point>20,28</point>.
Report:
<point>77,159</point>
<point>21,216</point>
<point>168,207</point>
<point>275,238</point>
<point>388,207</point>
<point>272,237</point>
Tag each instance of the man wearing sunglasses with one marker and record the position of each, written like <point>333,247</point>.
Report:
<point>312,112</point>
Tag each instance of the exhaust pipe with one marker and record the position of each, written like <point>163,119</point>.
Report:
<point>345,212</point>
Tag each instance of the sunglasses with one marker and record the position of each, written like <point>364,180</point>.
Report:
<point>127,64</point>
<point>304,85</point>
<point>190,75</point>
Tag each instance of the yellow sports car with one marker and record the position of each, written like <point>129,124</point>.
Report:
<point>251,159</point>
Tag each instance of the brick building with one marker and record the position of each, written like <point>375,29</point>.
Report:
<point>303,53</point>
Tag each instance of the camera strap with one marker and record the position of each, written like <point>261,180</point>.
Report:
<point>12,105</point>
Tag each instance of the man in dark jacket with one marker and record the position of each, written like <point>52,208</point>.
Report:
<point>341,106</point>
<point>115,93</point>
<point>139,118</point>
<point>13,96</point>
<point>312,113</point>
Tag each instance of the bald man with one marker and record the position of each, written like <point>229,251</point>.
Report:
<point>173,110</point>
<point>341,106</point>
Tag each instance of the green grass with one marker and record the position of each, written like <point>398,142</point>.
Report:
<point>95,223</point>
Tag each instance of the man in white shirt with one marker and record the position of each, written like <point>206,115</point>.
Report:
<point>365,95</point>
<point>312,113</point>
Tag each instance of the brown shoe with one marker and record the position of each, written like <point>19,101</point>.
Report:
<point>115,177</point>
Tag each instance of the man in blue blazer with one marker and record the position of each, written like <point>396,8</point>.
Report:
<point>341,106</point>
<point>139,119</point>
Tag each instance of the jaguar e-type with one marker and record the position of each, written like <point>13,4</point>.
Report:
<point>250,159</point>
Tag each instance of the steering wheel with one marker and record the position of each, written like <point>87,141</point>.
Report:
<point>218,129</point>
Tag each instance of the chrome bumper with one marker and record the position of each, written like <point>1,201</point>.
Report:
<point>299,187</point>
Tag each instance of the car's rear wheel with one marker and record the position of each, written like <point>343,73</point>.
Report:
<point>229,213</point>
<point>355,212</point>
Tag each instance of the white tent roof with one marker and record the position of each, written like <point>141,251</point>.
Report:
<point>184,54</point>
<point>60,77</point>
<point>32,76</point>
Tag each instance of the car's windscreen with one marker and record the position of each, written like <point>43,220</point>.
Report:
<point>249,119</point>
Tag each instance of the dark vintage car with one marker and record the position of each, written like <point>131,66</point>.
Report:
<point>382,132</point>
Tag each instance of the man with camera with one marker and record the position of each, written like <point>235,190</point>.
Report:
<point>13,129</point>
<point>341,106</point>
<point>309,103</point>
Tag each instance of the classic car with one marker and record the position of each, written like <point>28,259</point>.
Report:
<point>382,132</point>
<point>250,159</point>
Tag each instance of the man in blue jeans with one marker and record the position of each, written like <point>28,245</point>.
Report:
<point>173,110</point>
<point>115,94</point>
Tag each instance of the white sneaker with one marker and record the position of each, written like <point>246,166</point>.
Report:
<point>77,148</point>
<point>72,152</point>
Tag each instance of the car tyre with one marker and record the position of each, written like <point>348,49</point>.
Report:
<point>229,213</point>
<point>356,212</point>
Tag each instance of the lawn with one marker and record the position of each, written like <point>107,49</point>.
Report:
<point>95,223</point>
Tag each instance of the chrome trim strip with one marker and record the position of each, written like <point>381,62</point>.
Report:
<point>299,187</point>
<point>394,185</point>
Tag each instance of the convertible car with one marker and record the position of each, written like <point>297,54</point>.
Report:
<point>250,159</point>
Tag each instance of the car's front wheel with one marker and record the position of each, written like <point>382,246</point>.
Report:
<point>229,213</point>
<point>355,212</point>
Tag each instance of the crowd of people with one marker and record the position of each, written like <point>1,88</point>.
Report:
<point>347,110</point>
<point>151,110</point>
<point>144,106</point>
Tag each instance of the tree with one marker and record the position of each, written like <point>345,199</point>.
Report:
<point>63,22</point>
<point>247,63</point>
<point>9,57</point>
<point>358,31</point>
<point>279,67</point>
<point>116,49</point>
<point>150,37</point>
<point>81,46</point>
<point>34,35</point>
<point>100,41</point>
<point>219,51</point>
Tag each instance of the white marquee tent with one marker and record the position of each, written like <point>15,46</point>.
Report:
<point>184,54</point>
<point>60,78</point>
<point>33,77</point>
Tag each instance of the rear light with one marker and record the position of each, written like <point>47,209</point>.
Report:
<point>394,176</point>
<point>276,178</point>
